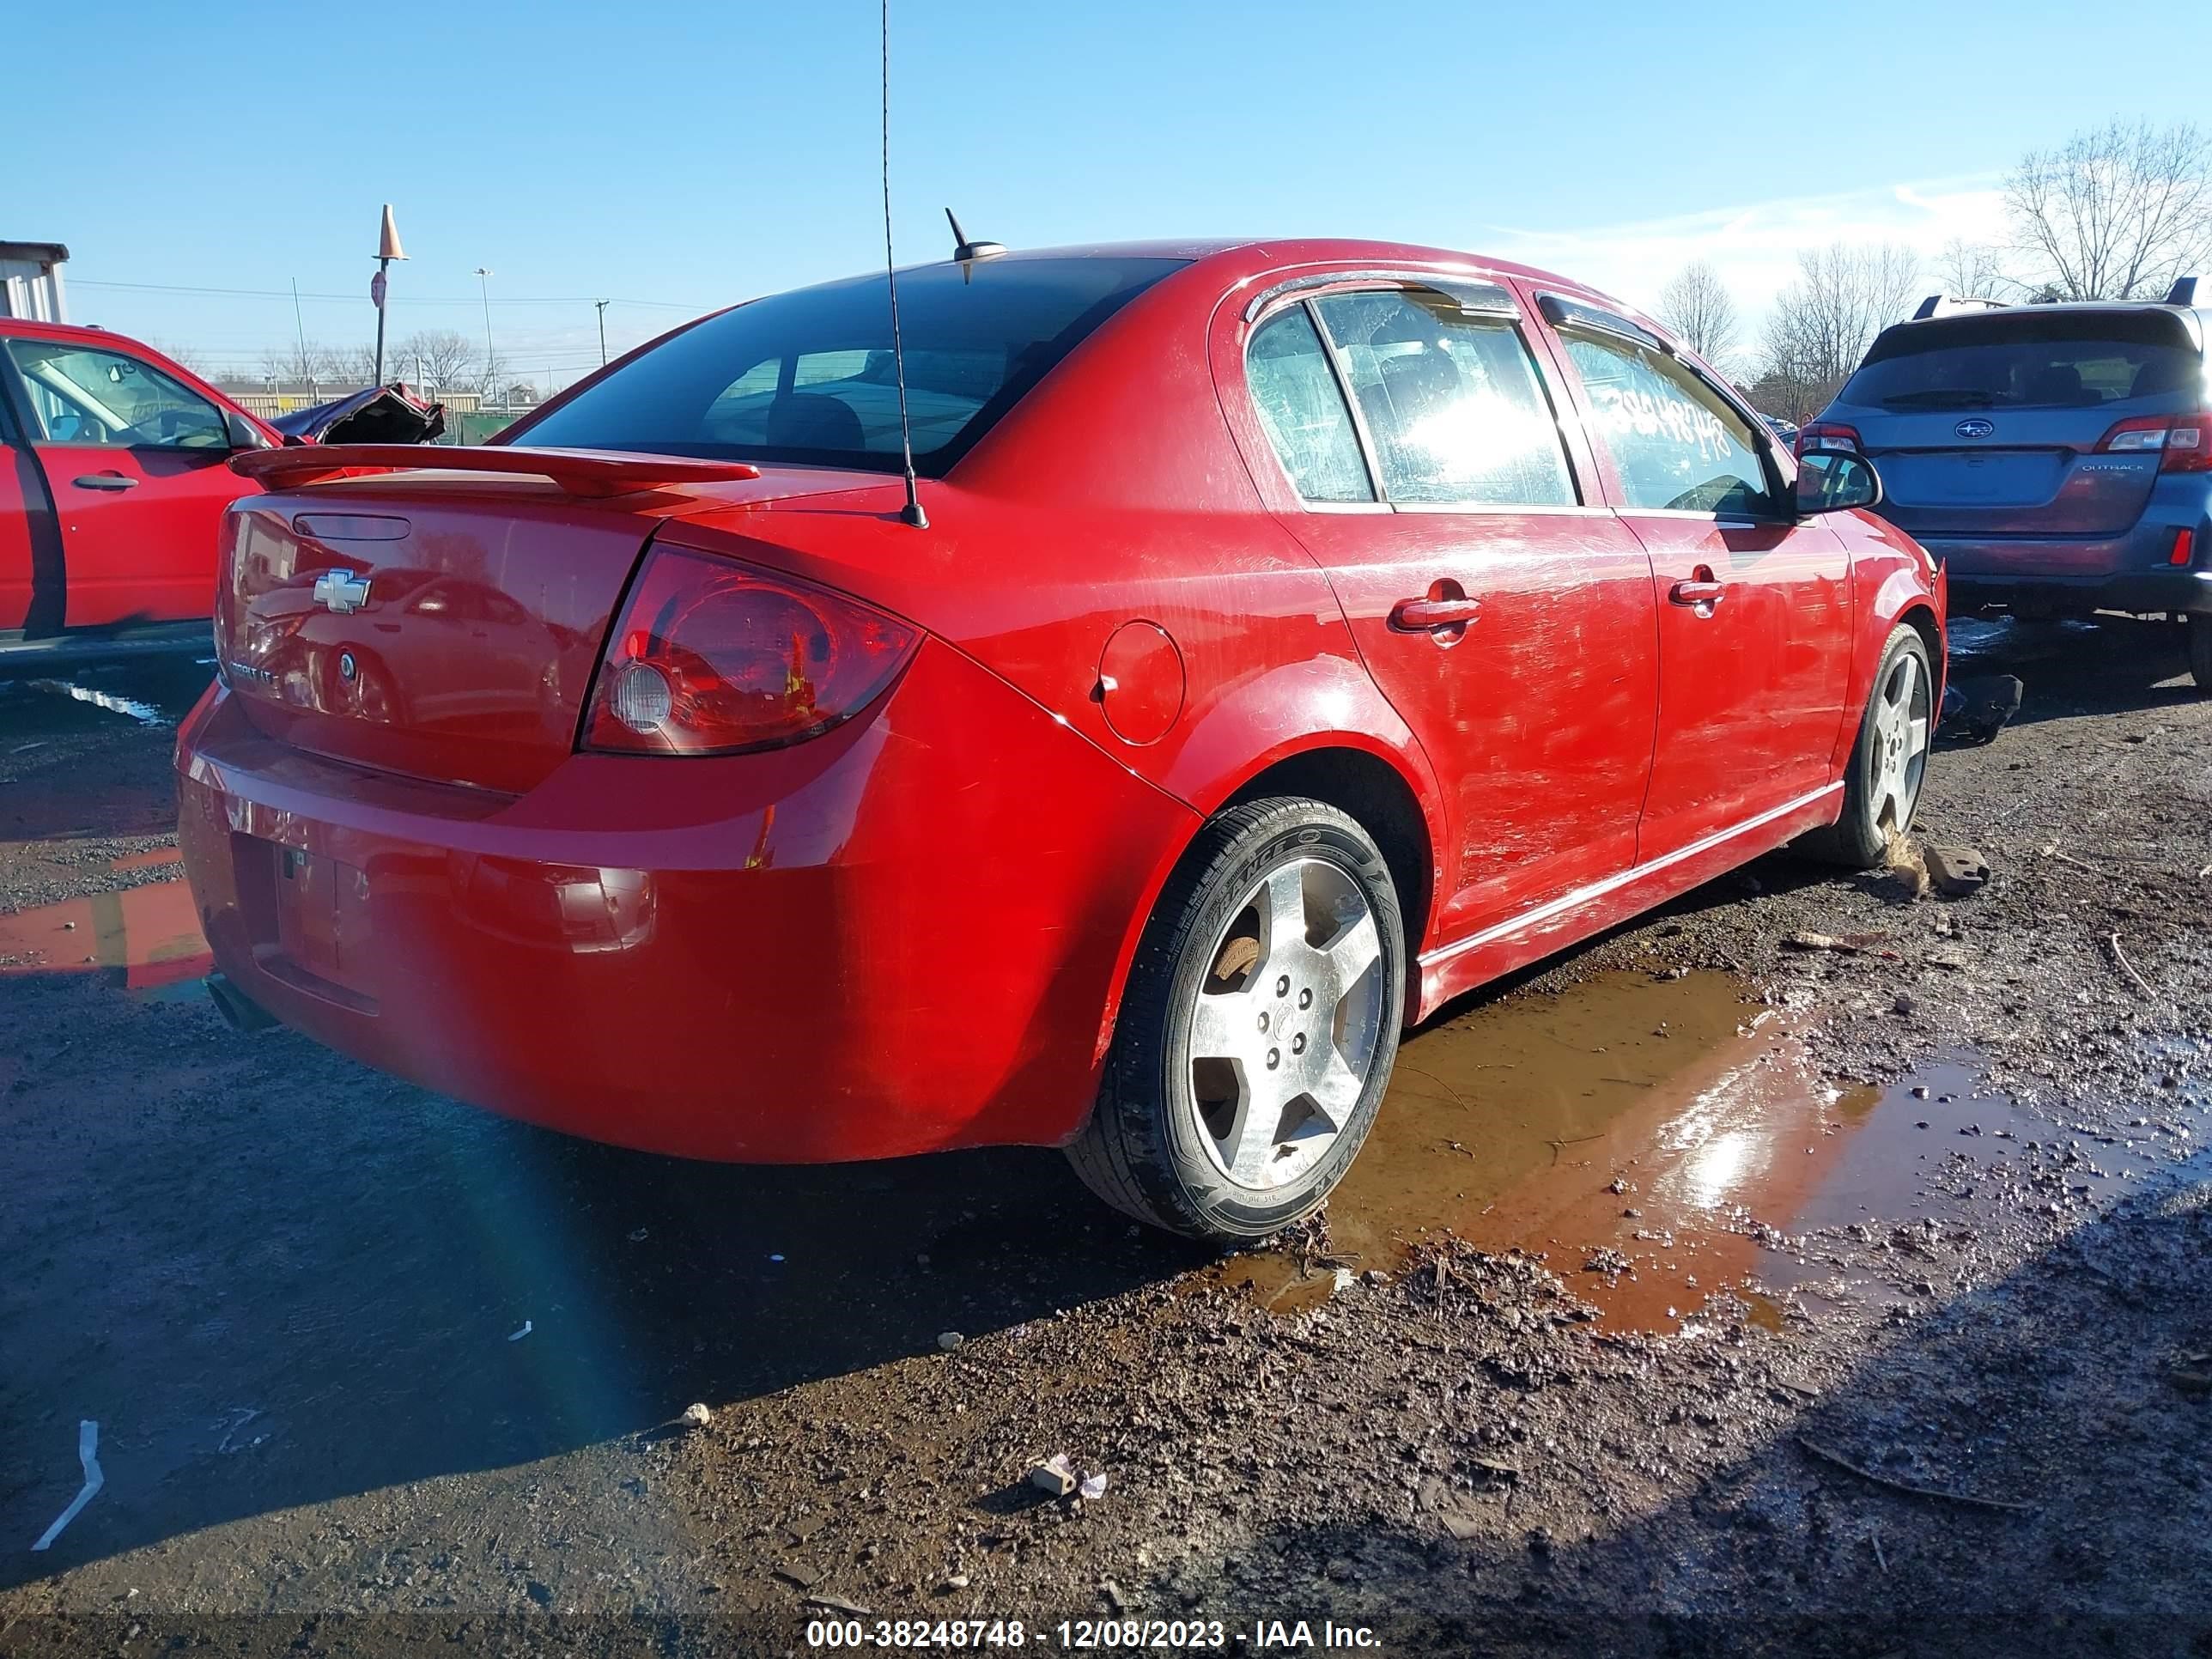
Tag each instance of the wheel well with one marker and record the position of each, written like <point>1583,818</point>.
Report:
<point>1924,620</point>
<point>1375,793</point>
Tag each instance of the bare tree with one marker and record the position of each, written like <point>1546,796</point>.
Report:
<point>355,365</point>
<point>443,358</point>
<point>1697,305</point>
<point>2115,213</point>
<point>304,363</point>
<point>190,356</point>
<point>1823,322</point>
<point>1974,271</point>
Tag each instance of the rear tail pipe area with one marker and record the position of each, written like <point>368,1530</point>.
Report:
<point>240,1011</point>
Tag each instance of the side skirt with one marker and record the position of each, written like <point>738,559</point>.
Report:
<point>1452,969</point>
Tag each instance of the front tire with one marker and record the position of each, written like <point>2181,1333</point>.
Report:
<point>1889,760</point>
<point>1258,1030</point>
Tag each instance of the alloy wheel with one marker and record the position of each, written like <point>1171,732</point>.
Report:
<point>1286,1022</point>
<point>1899,749</point>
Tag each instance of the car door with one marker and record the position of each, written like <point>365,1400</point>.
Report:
<point>1755,613</point>
<point>22,504</point>
<point>1508,621</point>
<point>136,464</point>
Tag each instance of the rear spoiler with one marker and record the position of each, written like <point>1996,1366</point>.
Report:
<point>577,471</point>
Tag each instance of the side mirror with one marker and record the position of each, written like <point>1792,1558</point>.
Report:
<point>242,432</point>
<point>1835,481</point>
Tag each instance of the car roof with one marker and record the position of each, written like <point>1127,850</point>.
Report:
<point>2196,321</point>
<point>25,327</point>
<point>1234,260</point>
<point>1267,253</point>
<point>2037,308</point>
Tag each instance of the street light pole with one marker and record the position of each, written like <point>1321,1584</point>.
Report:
<point>601,305</point>
<point>387,250</point>
<point>484,282</point>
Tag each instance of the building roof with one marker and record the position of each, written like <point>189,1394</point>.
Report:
<point>46,253</point>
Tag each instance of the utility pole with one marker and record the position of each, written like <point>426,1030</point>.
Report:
<point>601,305</point>
<point>299,322</point>
<point>484,282</point>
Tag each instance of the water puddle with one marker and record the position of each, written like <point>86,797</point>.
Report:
<point>147,938</point>
<point>145,712</point>
<point>154,692</point>
<point>1659,1142</point>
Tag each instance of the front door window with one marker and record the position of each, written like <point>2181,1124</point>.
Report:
<point>83,395</point>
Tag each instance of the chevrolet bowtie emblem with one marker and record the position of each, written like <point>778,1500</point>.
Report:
<point>341,591</point>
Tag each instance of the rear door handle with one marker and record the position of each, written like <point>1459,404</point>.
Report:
<point>1426,616</point>
<point>1701,590</point>
<point>104,480</point>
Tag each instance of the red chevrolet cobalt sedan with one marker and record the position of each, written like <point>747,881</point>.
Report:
<point>1294,635</point>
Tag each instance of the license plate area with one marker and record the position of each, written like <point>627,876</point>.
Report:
<point>316,932</point>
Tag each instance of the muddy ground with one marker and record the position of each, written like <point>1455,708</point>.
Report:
<point>1699,1293</point>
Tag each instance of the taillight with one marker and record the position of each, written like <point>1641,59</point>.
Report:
<point>1826,435</point>
<point>712,657</point>
<point>2183,443</point>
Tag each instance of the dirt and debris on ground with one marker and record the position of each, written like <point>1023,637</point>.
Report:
<point>1818,1267</point>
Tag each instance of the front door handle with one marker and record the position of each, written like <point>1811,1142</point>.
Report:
<point>104,480</point>
<point>1701,590</point>
<point>1427,615</point>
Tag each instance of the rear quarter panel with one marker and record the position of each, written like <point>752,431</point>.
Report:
<point>1115,495</point>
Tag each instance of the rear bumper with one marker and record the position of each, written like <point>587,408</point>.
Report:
<point>2179,590</point>
<point>900,937</point>
<point>2127,572</point>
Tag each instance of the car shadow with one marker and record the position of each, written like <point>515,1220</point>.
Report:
<point>226,1243</point>
<point>2067,669</point>
<point>2017,1470</point>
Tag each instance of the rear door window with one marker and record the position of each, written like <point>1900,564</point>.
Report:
<point>1678,445</point>
<point>2015,359</point>
<point>1451,402</point>
<point>1303,409</point>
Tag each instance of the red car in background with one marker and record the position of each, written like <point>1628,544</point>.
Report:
<point>1293,636</point>
<point>113,479</point>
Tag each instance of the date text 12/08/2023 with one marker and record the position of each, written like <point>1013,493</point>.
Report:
<point>1090,1634</point>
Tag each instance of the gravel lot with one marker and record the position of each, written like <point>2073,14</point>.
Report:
<point>1704,1292</point>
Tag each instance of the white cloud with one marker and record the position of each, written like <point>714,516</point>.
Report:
<point>1755,248</point>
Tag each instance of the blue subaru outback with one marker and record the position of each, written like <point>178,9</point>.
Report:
<point>2056,459</point>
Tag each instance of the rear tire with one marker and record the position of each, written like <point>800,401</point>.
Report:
<point>2200,651</point>
<point>1258,1030</point>
<point>1889,760</point>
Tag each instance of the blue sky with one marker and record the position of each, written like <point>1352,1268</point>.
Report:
<point>686,156</point>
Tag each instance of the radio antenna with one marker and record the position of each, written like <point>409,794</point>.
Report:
<point>912,513</point>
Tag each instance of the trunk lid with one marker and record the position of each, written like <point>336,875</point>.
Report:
<point>1990,424</point>
<point>2035,472</point>
<point>439,624</point>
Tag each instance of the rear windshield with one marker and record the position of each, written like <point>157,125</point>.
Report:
<point>2024,360</point>
<point>806,377</point>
